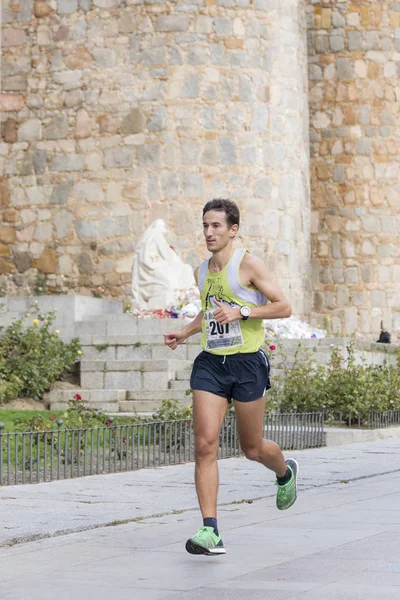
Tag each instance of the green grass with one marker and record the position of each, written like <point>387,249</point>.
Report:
<point>7,416</point>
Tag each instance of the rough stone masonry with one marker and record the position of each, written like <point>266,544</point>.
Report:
<point>117,112</point>
<point>354,67</point>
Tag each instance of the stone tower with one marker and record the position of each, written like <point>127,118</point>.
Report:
<point>354,67</point>
<point>119,112</point>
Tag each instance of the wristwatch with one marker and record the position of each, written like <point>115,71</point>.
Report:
<point>245,311</point>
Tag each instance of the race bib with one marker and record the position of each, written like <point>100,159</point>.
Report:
<point>221,336</point>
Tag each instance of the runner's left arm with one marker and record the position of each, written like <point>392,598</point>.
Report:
<point>259,276</point>
<point>278,306</point>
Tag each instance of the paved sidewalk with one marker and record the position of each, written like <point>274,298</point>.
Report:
<point>339,542</point>
<point>40,510</point>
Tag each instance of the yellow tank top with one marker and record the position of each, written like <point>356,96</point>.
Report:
<point>238,336</point>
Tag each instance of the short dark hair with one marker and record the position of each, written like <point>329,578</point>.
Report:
<point>227,206</point>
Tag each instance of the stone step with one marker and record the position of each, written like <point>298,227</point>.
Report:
<point>106,400</point>
<point>133,375</point>
<point>182,384</point>
<point>136,395</point>
<point>144,407</point>
<point>143,366</point>
<point>131,349</point>
<point>184,374</point>
<point>129,340</point>
<point>107,407</point>
<point>128,325</point>
<point>88,395</point>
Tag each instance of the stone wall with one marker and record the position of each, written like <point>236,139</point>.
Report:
<point>119,112</point>
<point>354,67</point>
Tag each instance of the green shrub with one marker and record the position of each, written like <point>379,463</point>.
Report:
<point>170,410</point>
<point>32,358</point>
<point>342,385</point>
<point>9,389</point>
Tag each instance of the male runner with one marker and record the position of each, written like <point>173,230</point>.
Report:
<point>237,293</point>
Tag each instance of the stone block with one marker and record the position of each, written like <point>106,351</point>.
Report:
<point>30,130</point>
<point>109,228</point>
<point>190,87</point>
<point>192,185</point>
<point>227,148</point>
<point>172,23</point>
<point>183,375</point>
<point>163,352</point>
<point>364,146</point>
<point>115,328</point>
<point>193,352</point>
<point>182,385</point>
<point>91,328</point>
<point>223,26</point>
<point>354,41</point>
<point>88,366</point>
<point>159,395</point>
<point>344,68</point>
<point>67,162</point>
<point>155,380</point>
<point>248,155</point>
<point>170,185</point>
<point>88,191</point>
<point>336,42</point>
<point>190,152</point>
<point>67,6</point>
<point>123,380</point>
<point>377,298</point>
<point>321,43</point>
<point>351,275</point>
<point>262,188</point>
<point>85,229</point>
<point>259,119</point>
<point>343,296</point>
<point>104,57</point>
<point>140,352</point>
<point>61,193</point>
<point>385,250</point>
<point>57,129</point>
<point>107,3</point>
<point>158,120</point>
<point>198,56</point>
<point>83,127</point>
<point>203,24</point>
<point>134,122</point>
<point>118,157</point>
<point>93,380</point>
<point>101,353</point>
<point>339,174</point>
<point>16,83</point>
<point>315,72</point>
<point>149,155</point>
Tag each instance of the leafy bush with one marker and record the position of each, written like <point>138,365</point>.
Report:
<point>78,415</point>
<point>170,410</point>
<point>9,389</point>
<point>32,358</point>
<point>345,385</point>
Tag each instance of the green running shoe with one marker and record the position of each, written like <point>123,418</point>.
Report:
<point>287,493</point>
<point>205,542</point>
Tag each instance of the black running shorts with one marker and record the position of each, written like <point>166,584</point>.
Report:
<point>242,377</point>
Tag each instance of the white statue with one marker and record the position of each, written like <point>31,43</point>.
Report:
<point>158,272</point>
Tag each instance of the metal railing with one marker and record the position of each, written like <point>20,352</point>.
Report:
<point>370,420</point>
<point>38,456</point>
<point>295,431</point>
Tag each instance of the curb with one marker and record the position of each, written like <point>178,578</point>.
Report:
<point>339,437</point>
